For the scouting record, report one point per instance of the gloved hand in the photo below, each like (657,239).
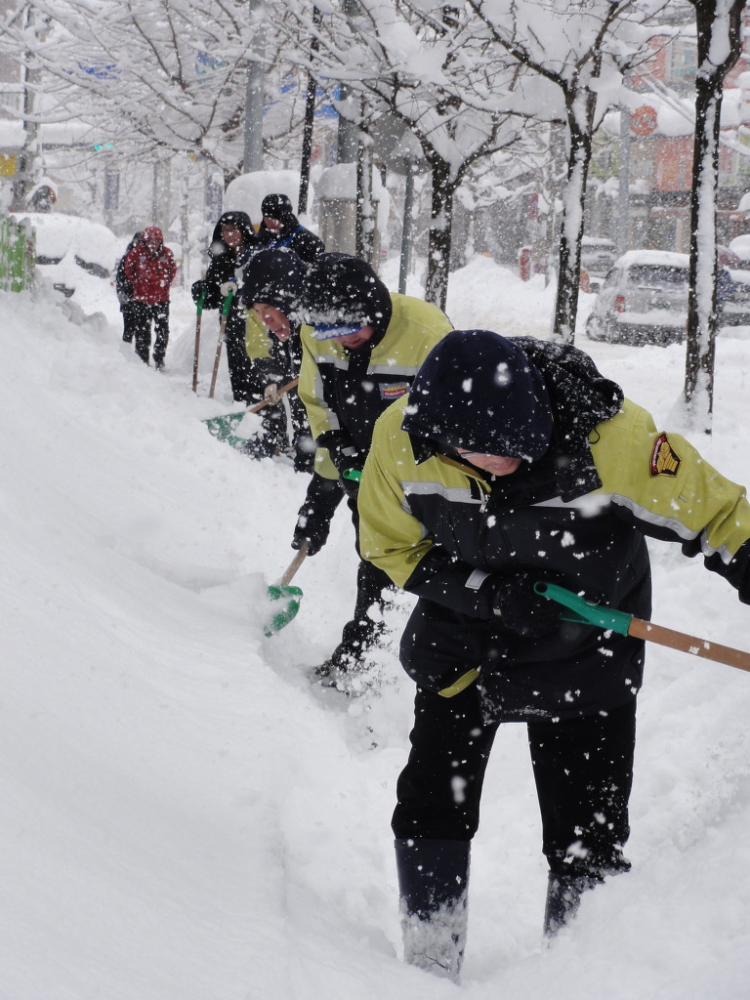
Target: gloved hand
(197,289)
(519,609)
(271,394)
(350,486)
(228,286)
(314,516)
(344,456)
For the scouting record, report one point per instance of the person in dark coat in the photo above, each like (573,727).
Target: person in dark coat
(124,291)
(362,348)
(272,282)
(281,228)
(233,243)
(514,462)
(150,268)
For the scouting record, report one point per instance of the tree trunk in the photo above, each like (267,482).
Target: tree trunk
(579,158)
(718,29)
(701,326)
(439,245)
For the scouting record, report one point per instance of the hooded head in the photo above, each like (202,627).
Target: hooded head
(341,294)
(275,278)
(277,206)
(479,391)
(152,238)
(241,221)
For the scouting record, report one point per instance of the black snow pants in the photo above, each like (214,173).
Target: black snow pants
(247,384)
(129,318)
(143,315)
(583,770)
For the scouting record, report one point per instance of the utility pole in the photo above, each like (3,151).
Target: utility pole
(254,92)
(347,150)
(28,158)
(623,212)
(403,270)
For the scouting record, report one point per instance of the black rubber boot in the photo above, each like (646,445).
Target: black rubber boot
(433,878)
(563,899)
(347,669)
(357,637)
(564,892)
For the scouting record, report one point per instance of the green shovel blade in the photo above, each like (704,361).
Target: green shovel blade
(284,615)
(223,427)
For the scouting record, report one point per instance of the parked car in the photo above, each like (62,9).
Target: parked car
(728,258)
(75,255)
(597,259)
(740,247)
(644,300)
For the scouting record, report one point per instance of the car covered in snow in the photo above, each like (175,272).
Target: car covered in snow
(644,300)
(75,255)
(740,247)
(597,259)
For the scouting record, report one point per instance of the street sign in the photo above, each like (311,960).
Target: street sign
(643,120)
(397,146)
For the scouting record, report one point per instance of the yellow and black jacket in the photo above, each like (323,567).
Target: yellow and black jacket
(438,527)
(345,391)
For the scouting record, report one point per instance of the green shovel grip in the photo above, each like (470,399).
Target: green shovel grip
(227,304)
(581,610)
(354,474)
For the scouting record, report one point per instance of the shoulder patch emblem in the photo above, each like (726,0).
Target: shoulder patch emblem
(392,390)
(664,459)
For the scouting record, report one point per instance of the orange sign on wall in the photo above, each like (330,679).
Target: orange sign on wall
(643,120)
(674,164)
(7,165)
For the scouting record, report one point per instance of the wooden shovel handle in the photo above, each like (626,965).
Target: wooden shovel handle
(689,644)
(293,566)
(197,351)
(282,390)
(217,358)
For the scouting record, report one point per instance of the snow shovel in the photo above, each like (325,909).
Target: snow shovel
(227,305)
(581,610)
(282,591)
(223,427)
(198,316)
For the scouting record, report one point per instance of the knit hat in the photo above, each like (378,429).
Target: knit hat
(274,277)
(276,206)
(478,390)
(341,292)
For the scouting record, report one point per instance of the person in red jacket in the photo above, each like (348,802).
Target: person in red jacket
(150,268)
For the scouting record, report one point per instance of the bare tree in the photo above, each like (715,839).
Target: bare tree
(580,49)
(719,24)
(431,72)
(156,76)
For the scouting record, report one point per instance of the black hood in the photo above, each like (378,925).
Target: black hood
(242,221)
(478,390)
(341,289)
(279,207)
(514,397)
(275,278)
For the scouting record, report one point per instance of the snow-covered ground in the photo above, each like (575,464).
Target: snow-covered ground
(185,818)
